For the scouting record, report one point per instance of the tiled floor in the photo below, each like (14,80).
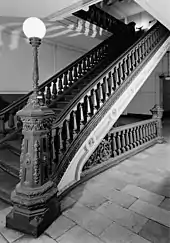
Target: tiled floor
(129,203)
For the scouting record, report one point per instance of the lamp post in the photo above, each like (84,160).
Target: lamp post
(34,198)
(35,30)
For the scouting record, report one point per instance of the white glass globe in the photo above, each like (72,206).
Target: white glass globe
(34,27)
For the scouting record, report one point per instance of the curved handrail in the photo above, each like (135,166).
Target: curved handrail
(130,61)
(55,76)
(86,89)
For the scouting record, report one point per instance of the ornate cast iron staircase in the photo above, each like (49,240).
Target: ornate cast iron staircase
(97,86)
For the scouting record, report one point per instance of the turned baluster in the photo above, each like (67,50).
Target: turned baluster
(60,84)
(70,77)
(2,125)
(68,136)
(75,128)
(65,81)
(48,94)
(144,133)
(120,74)
(114,145)
(80,73)
(95,101)
(88,62)
(149,131)
(129,64)
(60,143)
(119,143)
(88,108)
(84,66)
(140,53)
(137,136)
(75,73)
(124,68)
(107,89)
(11,122)
(110,83)
(143,49)
(95,57)
(140,135)
(131,138)
(101,94)
(115,77)
(127,139)
(132,60)
(136,56)
(123,141)
(54,90)
(81,110)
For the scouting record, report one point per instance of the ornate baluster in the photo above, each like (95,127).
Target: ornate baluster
(123,141)
(54,90)
(70,78)
(88,62)
(119,143)
(75,128)
(75,74)
(60,143)
(80,69)
(95,100)
(81,116)
(88,108)
(60,84)
(48,94)
(124,68)
(101,94)
(114,145)
(106,82)
(68,137)
(127,139)
(65,81)
(110,82)
(137,136)
(131,138)
(115,78)
(84,66)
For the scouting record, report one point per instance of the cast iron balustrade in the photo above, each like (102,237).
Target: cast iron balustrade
(123,142)
(84,107)
(102,19)
(56,85)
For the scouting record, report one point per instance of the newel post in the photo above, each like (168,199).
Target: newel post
(35,204)
(34,198)
(157,113)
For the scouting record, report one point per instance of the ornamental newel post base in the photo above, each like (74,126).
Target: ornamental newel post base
(157,113)
(35,204)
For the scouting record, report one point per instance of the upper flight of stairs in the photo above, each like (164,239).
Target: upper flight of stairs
(60,93)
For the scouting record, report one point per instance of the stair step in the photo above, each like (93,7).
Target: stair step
(7,185)
(14,146)
(9,161)
(4,204)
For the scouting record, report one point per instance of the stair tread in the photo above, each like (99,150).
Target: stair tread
(7,182)
(9,158)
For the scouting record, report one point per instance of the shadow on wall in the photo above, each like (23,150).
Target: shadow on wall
(3,103)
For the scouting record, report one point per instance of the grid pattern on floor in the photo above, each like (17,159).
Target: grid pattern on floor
(127,203)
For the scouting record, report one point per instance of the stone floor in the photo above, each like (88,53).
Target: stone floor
(129,203)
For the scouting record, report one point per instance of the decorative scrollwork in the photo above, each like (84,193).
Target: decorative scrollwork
(21,159)
(101,154)
(36,162)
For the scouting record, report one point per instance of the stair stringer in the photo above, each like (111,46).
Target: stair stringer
(73,172)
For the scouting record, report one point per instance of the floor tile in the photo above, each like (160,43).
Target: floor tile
(42,239)
(78,235)
(59,227)
(90,199)
(90,220)
(10,235)
(123,216)
(152,212)
(66,203)
(165,204)
(118,234)
(155,232)
(143,194)
(120,198)
(2,239)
